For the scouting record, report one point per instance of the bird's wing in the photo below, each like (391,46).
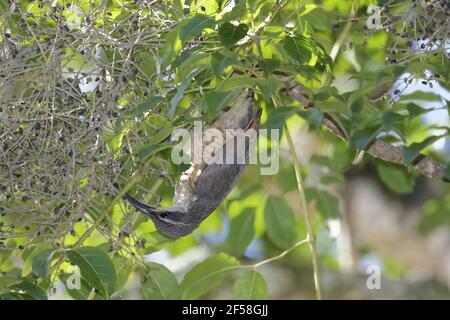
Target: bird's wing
(241,116)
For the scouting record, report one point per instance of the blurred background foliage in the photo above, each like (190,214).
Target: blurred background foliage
(90,92)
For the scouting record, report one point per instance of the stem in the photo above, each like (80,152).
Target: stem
(281,255)
(311,238)
(339,42)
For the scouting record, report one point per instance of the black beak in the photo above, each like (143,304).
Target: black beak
(148,210)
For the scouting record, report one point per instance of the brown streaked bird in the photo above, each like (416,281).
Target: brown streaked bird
(203,187)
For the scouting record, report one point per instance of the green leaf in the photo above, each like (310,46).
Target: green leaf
(139,110)
(421,95)
(192,66)
(29,291)
(280,222)
(195,26)
(241,232)
(361,138)
(267,86)
(237,82)
(81,293)
(186,54)
(159,283)
(327,204)
(447,171)
(147,63)
(161,134)
(178,96)
(269,65)
(11,296)
(219,62)
(216,101)
(395,177)
(298,48)
(229,34)
(250,286)
(237,13)
(6,281)
(96,267)
(390,118)
(207,275)
(5,253)
(414,149)
(436,213)
(41,263)
(276,117)
(313,116)
(414,110)
(172,48)
(123,267)
(28,263)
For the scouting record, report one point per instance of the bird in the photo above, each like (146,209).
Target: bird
(204,185)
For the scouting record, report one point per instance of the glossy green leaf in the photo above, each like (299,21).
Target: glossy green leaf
(412,151)
(298,48)
(219,62)
(395,177)
(421,95)
(237,13)
(195,26)
(160,135)
(193,66)
(280,222)
(276,117)
(124,268)
(270,65)
(96,267)
(207,275)
(237,82)
(266,86)
(29,291)
(159,283)
(229,34)
(139,110)
(250,286)
(173,46)
(414,110)
(241,232)
(6,281)
(178,96)
(80,293)
(327,205)
(28,263)
(41,263)
(147,63)
(436,213)
(361,138)
(313,116)
(216,101)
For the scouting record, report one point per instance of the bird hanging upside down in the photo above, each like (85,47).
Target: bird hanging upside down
(203,187)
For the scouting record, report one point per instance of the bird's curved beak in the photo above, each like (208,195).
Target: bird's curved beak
(149,210)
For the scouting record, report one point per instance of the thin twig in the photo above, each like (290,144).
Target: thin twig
(311,236)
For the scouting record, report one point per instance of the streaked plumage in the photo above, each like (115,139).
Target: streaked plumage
(203,187)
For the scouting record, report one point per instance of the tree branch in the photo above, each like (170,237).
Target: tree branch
(377,148)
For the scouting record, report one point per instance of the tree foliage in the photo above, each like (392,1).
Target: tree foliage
(91,90)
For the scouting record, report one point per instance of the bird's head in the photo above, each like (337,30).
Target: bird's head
(169,221)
